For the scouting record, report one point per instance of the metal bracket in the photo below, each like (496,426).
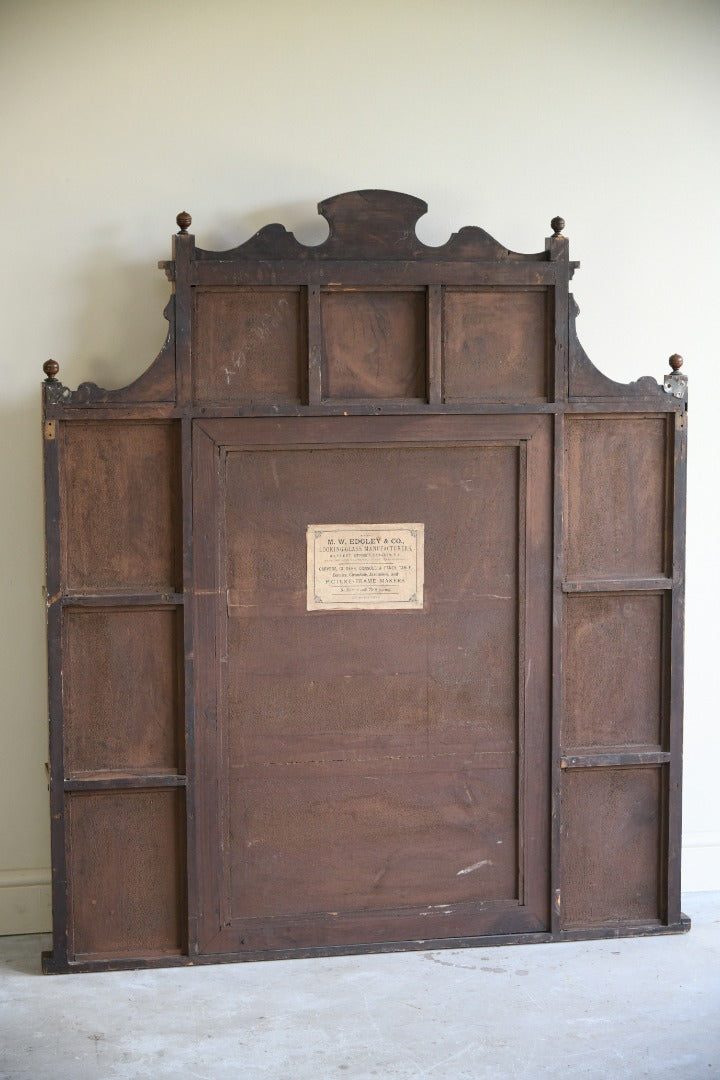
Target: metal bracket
(676,385)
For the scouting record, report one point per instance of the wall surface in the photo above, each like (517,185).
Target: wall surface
(116,115)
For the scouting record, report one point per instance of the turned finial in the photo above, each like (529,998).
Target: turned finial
(51,369)
(557,225)
(675,383)
(184,222)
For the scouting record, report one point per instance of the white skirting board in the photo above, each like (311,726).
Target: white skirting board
(701,861)
(25,906)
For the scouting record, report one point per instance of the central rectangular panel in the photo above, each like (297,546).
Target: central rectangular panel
(370,763)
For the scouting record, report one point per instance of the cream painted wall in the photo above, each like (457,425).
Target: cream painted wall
(115,115)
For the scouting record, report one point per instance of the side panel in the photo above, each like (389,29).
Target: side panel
(119,761)
(617,719)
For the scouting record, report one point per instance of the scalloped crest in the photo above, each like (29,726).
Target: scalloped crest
(586,381)
(156,385)
(371,224)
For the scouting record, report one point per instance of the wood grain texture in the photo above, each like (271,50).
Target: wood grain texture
(388,707)
(127,866)
(495,345)
(374,344)
(613,853)
(616,504)
(615,665)
(123,693)
(247,346)
(120,506)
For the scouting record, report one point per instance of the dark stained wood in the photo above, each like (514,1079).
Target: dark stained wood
(353,273)
(371,703)
(234,776)
(120,506)
(558,667)
(496,345)
(616,480)
(51,477)
(611,839)
(247,346)
(624,757)
(126,863)
(116,722)
(620,701)
(369,225)
(117,780)
(587,382)
(157,384)
(675,664)
(374,344)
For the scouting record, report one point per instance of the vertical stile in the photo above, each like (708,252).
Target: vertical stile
(558,635)
(52,452)
(679,491)
(314,351)
(434,345)
(183,251)
(188,680)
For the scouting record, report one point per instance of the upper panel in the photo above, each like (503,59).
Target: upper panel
(370,315)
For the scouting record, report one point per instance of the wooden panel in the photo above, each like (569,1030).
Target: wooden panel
(120,506)
(467,556)
(247,345)
(418,717)
(431,676)
(374,344)
(611,848)
(126,871)
(467,499)
(495,345)
(392,832)
(121,687)
(616,496)
(614,670)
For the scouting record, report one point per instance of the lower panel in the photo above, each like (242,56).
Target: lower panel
(612,850)
(126,865)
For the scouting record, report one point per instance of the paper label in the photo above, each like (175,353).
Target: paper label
(365,567)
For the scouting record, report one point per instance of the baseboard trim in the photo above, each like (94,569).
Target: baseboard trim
(25,901)
(701,862)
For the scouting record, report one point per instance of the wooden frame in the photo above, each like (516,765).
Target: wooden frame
(238,775)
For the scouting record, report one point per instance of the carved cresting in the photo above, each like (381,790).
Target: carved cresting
(367,224)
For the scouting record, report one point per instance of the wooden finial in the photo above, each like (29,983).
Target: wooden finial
(557,225)
(51,369)
(674,383)
(184,222)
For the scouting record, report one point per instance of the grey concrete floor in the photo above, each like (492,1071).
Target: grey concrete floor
(610,1009)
